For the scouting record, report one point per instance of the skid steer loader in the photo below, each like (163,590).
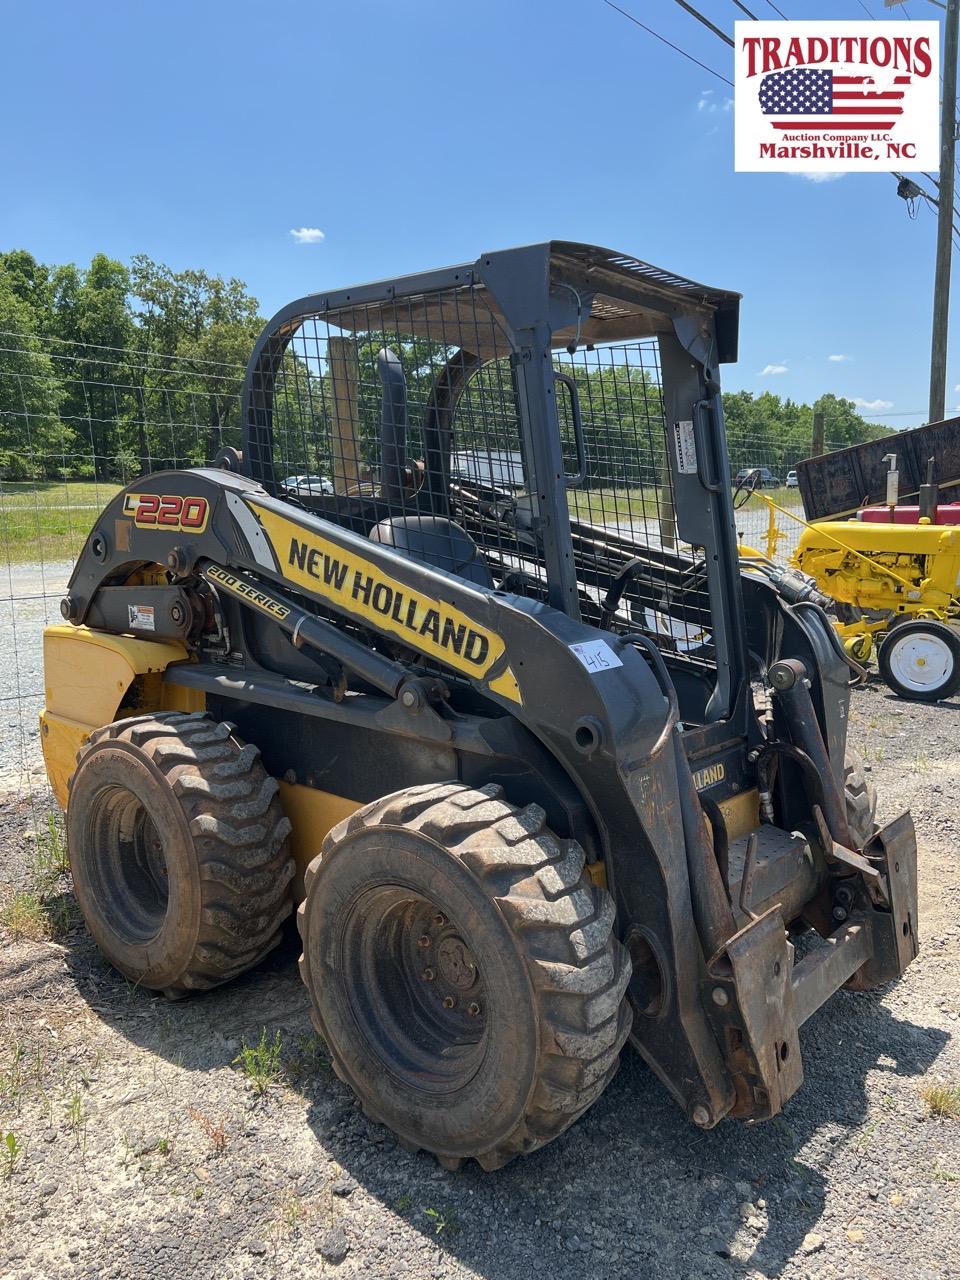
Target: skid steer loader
(456,657)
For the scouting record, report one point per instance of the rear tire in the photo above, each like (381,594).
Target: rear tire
(860,797)
(179,851)
(463,971)
(920,660)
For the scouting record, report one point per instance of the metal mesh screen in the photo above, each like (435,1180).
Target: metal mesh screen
(464,457)
(623,511)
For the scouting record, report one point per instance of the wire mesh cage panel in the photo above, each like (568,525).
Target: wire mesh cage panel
(407,414)
(622,509)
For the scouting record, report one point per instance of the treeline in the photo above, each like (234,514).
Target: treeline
(777,433)
(116,369)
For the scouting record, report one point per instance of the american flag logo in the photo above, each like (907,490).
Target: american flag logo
(847,102)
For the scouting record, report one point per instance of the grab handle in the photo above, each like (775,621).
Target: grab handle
(572,482)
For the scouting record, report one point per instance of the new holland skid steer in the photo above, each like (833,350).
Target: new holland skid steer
(455,656)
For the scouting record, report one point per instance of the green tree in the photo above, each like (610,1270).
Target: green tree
(92,318)
(29,281)
(195,333)
(33,442)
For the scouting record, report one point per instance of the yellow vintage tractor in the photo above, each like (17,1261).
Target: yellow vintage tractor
(893,574)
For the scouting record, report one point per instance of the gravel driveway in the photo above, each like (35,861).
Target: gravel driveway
(29,599)
(148,1152)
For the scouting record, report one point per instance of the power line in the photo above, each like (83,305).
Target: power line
(778,12)
(743,9)
(663,40)
(695,13)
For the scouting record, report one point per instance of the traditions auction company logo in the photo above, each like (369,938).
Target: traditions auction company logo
(835,96)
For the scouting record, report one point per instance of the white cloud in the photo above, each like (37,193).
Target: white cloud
(872,405)
(307,235)
(841,359)
(821,176)
(709,102)
(771,368)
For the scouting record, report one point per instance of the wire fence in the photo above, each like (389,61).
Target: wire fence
(79,422)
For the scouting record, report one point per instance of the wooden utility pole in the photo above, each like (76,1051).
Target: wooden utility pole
(345,414)
(941,283)
(817,443)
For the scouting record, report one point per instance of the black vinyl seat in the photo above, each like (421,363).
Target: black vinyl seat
(436,541)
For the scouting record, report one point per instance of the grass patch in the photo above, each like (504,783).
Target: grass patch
(25,915)
(43,909)
(943,1100)
(50,861)
(49,519)
(445,1221)
(309,1059)
(11,1149)
(615,506)
(260,1062)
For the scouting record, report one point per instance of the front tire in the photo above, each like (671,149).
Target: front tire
(179,851)
(463,971)
(920,660)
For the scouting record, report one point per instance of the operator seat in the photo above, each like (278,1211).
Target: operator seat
(437,541)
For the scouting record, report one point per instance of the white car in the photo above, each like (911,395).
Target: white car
(308,484)
(791,481)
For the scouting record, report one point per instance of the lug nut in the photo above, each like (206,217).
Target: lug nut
(424,940)
(473,1009)
(427,975)
(448,1002)
(439,919)
(700,1116)
(720,997)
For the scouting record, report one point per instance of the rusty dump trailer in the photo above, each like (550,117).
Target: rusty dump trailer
(835,485)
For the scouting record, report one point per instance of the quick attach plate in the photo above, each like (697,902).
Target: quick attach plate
(893,923)
(750,999)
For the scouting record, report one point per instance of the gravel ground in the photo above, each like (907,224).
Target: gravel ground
(29,599)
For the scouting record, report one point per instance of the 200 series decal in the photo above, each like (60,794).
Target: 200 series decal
(169,512)
(253,595)
(360,587)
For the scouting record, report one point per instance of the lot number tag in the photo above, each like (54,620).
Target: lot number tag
(595,655)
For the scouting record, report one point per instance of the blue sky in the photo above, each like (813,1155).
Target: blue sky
(422,133)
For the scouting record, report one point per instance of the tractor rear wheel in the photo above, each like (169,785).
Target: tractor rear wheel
(463,971)
(179,851)
(920,660)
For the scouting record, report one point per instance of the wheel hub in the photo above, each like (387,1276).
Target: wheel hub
(920,661)
(456,964)
(416,989)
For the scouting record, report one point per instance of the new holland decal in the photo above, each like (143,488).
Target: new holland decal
(362,589)
(710,776)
